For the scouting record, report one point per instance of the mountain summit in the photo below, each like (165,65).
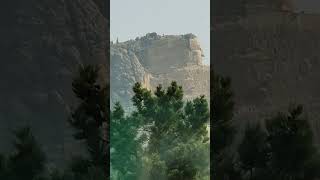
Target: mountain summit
(157,59)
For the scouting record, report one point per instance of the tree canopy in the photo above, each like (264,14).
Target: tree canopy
(169,133)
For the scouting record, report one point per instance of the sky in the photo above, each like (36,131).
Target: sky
(136,18)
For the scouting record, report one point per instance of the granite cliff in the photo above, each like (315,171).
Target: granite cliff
(273,59)
(42,44)
(154,60)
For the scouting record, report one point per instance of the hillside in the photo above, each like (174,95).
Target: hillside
(273,59)
(42,44)
(154,60)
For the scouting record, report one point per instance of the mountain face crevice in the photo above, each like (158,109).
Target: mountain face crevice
(153,60)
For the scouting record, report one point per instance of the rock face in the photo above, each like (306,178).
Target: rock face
(154,60)
(42,43)
(273,59)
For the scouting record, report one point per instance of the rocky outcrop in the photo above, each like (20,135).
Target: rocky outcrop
(273,60)
(42,43)
(154,60)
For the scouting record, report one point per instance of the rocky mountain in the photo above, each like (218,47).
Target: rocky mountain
(273,59)
(42,44)
(157,59)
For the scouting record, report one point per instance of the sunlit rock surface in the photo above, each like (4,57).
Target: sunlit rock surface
(158,59)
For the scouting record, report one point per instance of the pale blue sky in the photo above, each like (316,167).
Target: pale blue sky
(133,18)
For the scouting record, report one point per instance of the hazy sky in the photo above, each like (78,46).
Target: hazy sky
(133,18)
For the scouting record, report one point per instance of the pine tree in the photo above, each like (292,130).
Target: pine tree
(253,152)
(92,114)
(172,127)
(166,118)
(28,160)
(291,145)
(3,168)
(222,113)
(125,144)
(181,168)
(222,130)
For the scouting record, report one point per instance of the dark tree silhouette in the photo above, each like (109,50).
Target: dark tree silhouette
(90,118)
(291,145)
(253,152)
(28,160)
(222,130)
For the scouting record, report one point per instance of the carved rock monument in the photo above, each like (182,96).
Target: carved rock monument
(154,60)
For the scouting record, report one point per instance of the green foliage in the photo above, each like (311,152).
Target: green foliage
(172,125)
(222,106)
(28,159)
(89,120)
(155,168)
(56,175)
(91,114)
(92,173)
(169,134)
(181,169)
(2,166)
(283,151)
(253,151)
(166,118)
(291,144)
(125,145)
(187,160)
(226,169)
(222,113)
(79,166)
